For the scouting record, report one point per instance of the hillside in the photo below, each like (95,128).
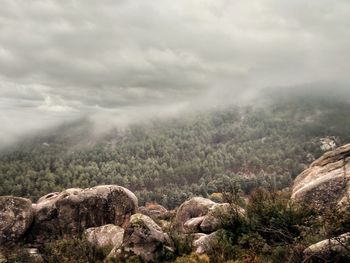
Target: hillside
(169,161)
(308,223)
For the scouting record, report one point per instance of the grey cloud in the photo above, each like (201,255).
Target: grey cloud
(76,57)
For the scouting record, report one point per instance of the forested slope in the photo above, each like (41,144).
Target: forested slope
(170,160)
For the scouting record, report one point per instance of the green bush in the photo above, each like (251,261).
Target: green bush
(224,247)
(193,258)
(275,219)
(182,243)
(17,254)
(72,250)
(271,230)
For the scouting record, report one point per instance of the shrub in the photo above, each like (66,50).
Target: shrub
(224,247)
(193,258)
(72,250)
(17,254)
(274,218)
(182,243)
(271,230)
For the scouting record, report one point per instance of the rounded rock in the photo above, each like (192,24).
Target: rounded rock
(16,216)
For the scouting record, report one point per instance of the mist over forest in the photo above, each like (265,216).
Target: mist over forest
(202,131)
(123,61)
(270,139)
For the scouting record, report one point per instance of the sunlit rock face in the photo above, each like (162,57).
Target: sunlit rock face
(72,211)
(326,183)
(16,216)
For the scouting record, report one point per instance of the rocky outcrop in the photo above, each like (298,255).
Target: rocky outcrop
(199,219)
(195,207)
(72,211)
(201,215)
(16,216)
(144,238)
(104,236)
(326,183)
(340,244)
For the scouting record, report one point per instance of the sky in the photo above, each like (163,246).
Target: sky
(117,61)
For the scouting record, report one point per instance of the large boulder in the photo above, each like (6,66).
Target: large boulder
(326,183)
(72,211)
(16,216)
(104,236)
(193,208)
(338,245)
(144,238)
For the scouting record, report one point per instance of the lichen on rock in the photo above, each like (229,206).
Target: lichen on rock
(326,183)
(16,216)
(74,210)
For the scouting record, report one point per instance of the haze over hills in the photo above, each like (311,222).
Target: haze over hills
(211,185)
(126,60)
(169,160)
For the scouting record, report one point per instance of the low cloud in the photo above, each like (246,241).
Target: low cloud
(63,59)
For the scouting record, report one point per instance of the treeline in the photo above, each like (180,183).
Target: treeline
(169,161)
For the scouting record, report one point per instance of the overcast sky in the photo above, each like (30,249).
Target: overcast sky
(125,58)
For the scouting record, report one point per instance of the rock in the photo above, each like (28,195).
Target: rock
(155,211)
(201,215)
(202,243)
(104,236)
(326,183)
(338,244)
(195,207)
(144,238)
(72,211)
(328,143)
(16,216)
(193,225)
(214,219)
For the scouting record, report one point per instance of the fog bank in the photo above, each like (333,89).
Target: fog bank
(119,62)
